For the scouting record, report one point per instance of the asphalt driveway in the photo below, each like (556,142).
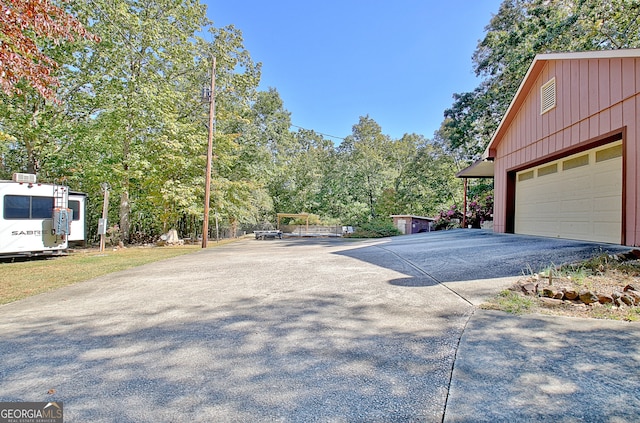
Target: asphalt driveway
(292,330)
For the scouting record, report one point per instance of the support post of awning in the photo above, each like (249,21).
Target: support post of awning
(464,202)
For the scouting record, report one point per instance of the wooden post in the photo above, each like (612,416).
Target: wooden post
(217,228)
(464,212)
(207,187)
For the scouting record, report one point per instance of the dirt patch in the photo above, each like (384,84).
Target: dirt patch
(606,287)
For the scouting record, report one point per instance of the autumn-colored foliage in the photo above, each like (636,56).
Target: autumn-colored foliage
(23,23)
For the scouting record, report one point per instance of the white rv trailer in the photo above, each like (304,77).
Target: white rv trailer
(34,218)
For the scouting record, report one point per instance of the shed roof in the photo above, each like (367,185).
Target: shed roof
(413,217)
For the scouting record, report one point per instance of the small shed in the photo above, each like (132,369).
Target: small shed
(409,224)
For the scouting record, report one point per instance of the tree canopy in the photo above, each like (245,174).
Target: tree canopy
(25,27)
(520,30)
(129,113)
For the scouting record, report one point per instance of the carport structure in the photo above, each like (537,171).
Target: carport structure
(566,155)
(293,215)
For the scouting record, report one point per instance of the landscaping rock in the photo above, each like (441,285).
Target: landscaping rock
(635,295)
(631,255)
(553,293)
(605,299)
(588,297)
(530,289)
(635,254)
(631,287)
(551,302)
(170,238)
(599,295)
(627,300)
(570,294)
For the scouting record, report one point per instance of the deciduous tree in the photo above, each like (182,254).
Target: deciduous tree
(26,26)
(367,151)
(520,30)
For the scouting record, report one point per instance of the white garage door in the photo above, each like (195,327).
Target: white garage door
(576,197)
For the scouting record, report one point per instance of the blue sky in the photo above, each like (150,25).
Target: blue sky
(333,61)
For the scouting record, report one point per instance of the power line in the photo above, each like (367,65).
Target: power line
(319,133)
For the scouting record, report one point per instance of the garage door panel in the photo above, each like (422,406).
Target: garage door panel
(546,195)
(602,231)
(607,204)
(575,206)
(546,206)
(583,191)
(606,217)
(575,185)
(539,227)
(575,229)
(582,200)
(606,181)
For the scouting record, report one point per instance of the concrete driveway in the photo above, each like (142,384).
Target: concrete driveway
(315,330)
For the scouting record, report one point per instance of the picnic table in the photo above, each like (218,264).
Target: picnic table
(268,234)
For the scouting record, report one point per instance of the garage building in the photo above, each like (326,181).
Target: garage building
(566,156)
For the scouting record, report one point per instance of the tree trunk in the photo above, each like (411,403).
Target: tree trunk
(125,206)
(234,228)
(125,212)
(372,206)
(32,161)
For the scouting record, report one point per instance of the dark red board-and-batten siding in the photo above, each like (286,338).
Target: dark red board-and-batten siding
(596,99)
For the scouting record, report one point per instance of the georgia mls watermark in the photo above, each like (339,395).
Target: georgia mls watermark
(31,412)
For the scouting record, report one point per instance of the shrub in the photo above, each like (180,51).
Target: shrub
(376,229)
(478,211)
(449,219)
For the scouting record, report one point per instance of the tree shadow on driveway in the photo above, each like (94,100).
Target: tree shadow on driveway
(545,368)
(520,368)
(316,358)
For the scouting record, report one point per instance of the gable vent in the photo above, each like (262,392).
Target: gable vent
(548,96)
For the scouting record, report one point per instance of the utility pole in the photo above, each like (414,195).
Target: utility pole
(207,187)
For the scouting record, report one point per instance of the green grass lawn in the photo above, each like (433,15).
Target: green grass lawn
(22,279)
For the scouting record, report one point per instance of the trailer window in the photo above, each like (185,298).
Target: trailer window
(41,207)
(74,205)
(27,207)
(16,207)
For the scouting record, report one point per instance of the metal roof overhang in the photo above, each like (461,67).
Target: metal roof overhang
(413,216)
(482,168)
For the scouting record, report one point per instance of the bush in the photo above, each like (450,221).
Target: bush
(478,210)
(449,219)
(375,229)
